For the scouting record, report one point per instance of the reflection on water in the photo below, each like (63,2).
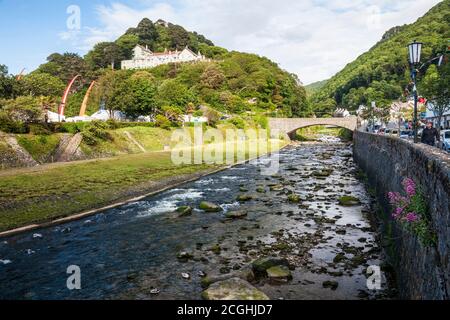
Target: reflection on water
(131,251)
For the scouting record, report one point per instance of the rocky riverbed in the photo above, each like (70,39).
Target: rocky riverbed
(302,233)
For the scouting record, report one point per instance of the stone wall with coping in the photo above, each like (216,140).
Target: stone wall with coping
(422,272)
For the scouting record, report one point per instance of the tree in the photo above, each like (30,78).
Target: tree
(6,84)
(147,33)
(173,93)
(179,37)
(109,88)
(136,97)
(212,115)
(174,114)
(24,109)
(212,77)
(105,55)
(435,86)
(65,66)
(127,43)
(43,84)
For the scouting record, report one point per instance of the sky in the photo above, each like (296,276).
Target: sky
(312,38)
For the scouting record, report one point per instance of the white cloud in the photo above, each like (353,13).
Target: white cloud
(313,38)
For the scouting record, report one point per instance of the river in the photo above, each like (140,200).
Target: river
(131,252)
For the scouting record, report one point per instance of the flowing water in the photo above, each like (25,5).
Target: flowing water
(131,252)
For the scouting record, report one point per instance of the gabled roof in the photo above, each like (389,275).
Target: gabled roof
(144,49)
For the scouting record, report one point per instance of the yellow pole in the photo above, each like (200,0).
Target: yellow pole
(85,100)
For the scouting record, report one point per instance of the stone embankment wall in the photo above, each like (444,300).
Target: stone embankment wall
(422,272)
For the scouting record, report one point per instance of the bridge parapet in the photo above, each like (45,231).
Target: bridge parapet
(290,125)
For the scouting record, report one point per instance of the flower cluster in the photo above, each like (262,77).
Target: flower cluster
(402,204)
(411,210)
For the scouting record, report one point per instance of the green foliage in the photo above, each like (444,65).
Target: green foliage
(104,55)
(25,109)
(172,92)
(43,84)
(94,132)
(65,67)
(436,87)
(382,73)
(40,147)
(9,86)
(162,122)
(315,86)
(262,121)
(421,228)
(10,126)
(238,123)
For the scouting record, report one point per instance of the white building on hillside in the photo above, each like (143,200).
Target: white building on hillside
(144,58)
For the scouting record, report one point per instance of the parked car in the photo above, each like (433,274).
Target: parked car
(445,140)
(406,134)
(394,132)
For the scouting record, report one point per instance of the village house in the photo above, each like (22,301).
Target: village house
(144,58)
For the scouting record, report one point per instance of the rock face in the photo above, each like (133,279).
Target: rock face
(209,207)
(422,272)
(233,289)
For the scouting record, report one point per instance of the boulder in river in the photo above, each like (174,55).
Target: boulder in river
(261,265)
(236,214)
(209,207)
(333,285)
(294,198)
(348,201)
(323,173)
(184,256)
(184,211)
(279,274)
(244,198)
(233,289)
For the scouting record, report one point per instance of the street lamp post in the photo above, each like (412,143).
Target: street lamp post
(415,50)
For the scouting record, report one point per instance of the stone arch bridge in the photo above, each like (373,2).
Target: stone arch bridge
(290,125)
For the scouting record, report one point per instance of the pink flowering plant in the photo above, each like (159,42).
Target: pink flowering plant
(410,209)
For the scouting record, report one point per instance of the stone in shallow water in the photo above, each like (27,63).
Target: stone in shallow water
(279,274)
(233,289)
(184,256)
(333,285)
(209,207)
(348,201)
(244,198)
(236,214)
(294,198)
(261,265)
(184,211)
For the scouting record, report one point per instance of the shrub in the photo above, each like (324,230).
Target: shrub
(96,131)
(39,129)
(10,126)
(163,122)
(262,121)
(238,123)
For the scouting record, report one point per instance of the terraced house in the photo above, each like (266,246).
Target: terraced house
(144,58)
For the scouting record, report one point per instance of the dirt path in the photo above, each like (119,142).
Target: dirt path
(134,141)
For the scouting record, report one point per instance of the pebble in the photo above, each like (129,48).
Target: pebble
(186,276)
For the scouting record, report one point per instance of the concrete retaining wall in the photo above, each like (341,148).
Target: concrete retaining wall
(422,272)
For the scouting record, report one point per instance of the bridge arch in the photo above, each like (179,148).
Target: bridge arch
(291,125)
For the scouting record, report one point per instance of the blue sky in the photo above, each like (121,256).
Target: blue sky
(313,38)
